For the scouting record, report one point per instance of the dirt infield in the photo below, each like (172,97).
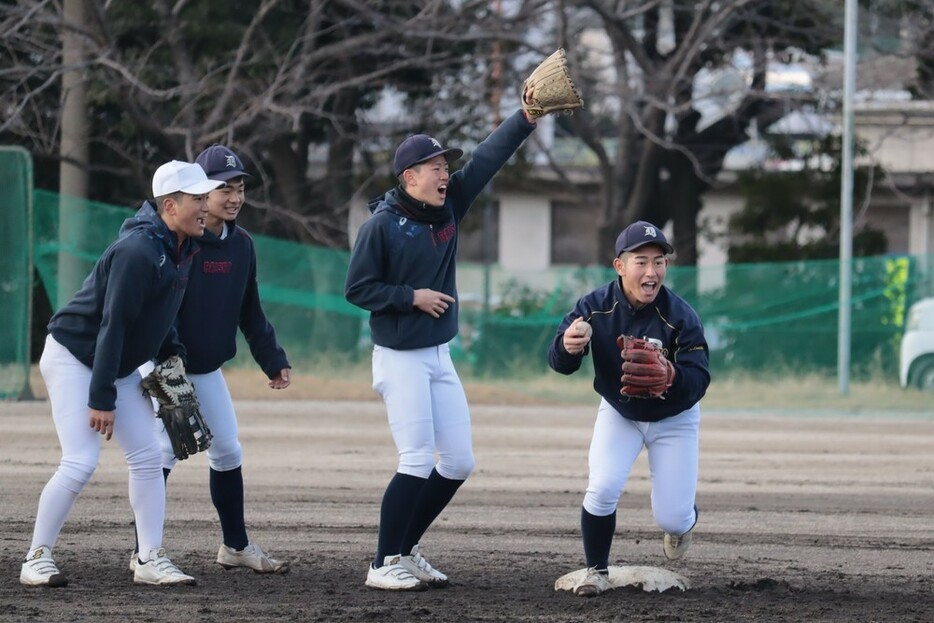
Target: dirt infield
(823,517)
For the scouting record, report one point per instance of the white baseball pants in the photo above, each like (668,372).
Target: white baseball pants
(672,446)
(427,410)
(67,381)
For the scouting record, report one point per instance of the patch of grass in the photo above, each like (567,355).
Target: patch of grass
(781,392)
(784,391)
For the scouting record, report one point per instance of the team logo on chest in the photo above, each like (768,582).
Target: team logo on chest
(208,267)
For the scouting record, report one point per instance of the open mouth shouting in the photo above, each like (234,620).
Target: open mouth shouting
(649,288)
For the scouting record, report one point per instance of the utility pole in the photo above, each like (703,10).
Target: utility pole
(846,198)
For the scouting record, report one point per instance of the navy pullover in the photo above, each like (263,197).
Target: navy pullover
(222,296)
(123,314)
(395,255)
(668,319)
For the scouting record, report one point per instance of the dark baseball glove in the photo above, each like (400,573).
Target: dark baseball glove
(178,407)
(551,87)
(647,373)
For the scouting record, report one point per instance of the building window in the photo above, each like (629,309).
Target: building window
(574,233)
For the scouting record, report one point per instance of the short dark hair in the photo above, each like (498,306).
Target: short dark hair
(176,197)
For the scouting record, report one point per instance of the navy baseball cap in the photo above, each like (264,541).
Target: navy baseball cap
(220,163)
(640,234)
(419,148)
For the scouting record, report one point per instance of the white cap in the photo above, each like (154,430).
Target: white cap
(186,177)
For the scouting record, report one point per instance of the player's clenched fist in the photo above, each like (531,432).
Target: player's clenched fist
(577,336)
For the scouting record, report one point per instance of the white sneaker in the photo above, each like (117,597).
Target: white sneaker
(40,570)
(416,564)
(134,561)
(393,576)
(252,557)
(159,570)
(593,584)
(675,545)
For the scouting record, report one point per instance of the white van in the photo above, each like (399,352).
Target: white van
(916,359)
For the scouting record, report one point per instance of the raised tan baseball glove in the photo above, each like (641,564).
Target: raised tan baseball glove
(647,373)
(549,88)
(179,409)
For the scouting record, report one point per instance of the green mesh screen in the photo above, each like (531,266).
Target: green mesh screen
(15,270)
(758,317)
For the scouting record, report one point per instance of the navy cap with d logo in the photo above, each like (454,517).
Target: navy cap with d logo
(419,148)
(220,163)
(640,234)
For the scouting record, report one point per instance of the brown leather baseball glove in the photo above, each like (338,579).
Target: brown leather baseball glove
(647,373)
(551,88)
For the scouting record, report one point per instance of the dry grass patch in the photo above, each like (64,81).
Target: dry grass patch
(784,392)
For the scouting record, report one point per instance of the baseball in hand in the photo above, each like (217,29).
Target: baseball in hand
(584,329)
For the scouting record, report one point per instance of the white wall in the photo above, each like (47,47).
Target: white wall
(524,232)
(898,135)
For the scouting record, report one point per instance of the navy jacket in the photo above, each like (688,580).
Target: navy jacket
(669,319)
(123,314)
(395,255)
(222,296)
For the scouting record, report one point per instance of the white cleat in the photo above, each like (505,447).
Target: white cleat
(393,576)
(416,564)
(40,570)
(134,561)
(594,583)
(160,571)
(675,545)
(251,557)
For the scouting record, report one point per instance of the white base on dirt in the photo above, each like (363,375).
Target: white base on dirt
(649,579)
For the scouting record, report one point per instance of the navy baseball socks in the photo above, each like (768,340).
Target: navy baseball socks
(227,496)
(597,533)
(237,550)
(434,497)
(386,572)
(395,513)
(410,505)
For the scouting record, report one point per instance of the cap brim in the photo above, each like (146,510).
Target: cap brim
(667,248)
(202,187)
(227,175)
(450,155)
(453,154)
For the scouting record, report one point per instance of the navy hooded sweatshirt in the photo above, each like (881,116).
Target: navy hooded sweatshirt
(123,314)
(668,320)
(395,255)
(223,295)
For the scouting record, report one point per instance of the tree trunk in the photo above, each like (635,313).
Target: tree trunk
(73,167)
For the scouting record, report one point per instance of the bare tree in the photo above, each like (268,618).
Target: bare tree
(667,154)
(286,84)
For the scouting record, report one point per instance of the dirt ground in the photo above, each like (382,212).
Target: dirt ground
(823,516)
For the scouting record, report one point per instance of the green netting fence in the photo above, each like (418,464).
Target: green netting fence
(15,271)
(758,317)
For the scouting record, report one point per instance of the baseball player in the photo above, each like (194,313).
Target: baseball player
(402,269)
(223,296)
(121,317)
(663,419)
